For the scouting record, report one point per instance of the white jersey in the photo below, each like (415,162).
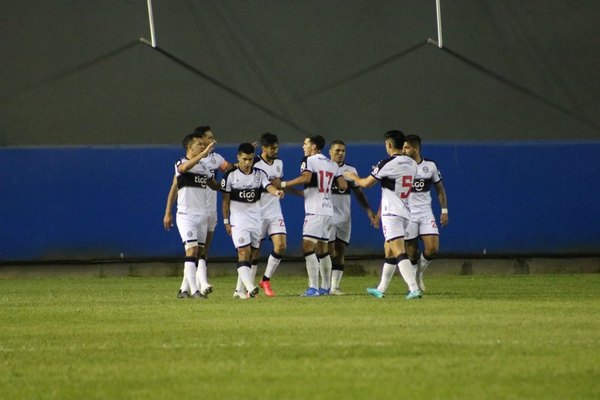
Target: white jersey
(213,161)
(341,198)
(192,192)
(396,175)
(420,197)
(245,191)
(317,193)
(269,205)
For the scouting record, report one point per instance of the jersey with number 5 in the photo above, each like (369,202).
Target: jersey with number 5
(317,193)
(396,175)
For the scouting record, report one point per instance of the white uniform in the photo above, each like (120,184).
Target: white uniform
(341,199)
(213,161)
(192,194)
(272,222)
(318,205)
(396,175)
(245,191)
(422,221)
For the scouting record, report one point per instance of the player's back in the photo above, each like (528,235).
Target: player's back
(396,175)
(317,193)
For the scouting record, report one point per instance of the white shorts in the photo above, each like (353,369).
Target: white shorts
(341,231)
(393,226)
(273,226)
(192,228)
(245,235)
(421,225)
(212,221)
(317,227)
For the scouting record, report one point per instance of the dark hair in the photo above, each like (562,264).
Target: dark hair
(268,139)
(246,148)
(413,140)
(337,142)
(202,129)
(317,140)
(396,137)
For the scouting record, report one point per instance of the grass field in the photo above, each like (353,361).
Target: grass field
(470,337)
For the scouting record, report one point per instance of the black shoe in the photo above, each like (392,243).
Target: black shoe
(183,295)
(198,295)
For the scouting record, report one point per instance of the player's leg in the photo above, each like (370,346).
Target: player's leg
(325,265)
(387,272)
(411,243)
(244,272)
(310,234)
(429,234)
(202,270)
(279,247)
(187,230)
(338,249)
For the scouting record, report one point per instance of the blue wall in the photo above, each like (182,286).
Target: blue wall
(518,198)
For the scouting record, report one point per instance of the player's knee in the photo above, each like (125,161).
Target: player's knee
(431,252)
(279,248)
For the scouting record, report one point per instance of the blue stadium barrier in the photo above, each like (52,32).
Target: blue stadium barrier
(103,203)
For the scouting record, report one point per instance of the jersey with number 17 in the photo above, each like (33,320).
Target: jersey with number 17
(317,193)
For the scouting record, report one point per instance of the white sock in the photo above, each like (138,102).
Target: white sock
(408,274)
(189,273)
(253,270)
(312,268)
(336,278)
(387,273)
(272,264)
(245,275)
(202,274)
(239,287)
(423,263)
(325,269)
(184,284)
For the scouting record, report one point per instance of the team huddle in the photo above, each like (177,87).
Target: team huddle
(251,192)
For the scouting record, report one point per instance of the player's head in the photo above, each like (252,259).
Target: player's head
(394,140)
(245,157)
(269,145)
(206,132)
(194,144)
(337,151)
(412,146)
(313,145)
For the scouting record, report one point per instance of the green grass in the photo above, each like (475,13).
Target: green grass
(470,337)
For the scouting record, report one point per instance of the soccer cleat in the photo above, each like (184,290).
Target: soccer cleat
(311,292)
(207,290)
(198,295)
(324,292)
(376,293)
(337,292)
(253,292)
(415,294)
(183,295)
(266,287)
(240,295)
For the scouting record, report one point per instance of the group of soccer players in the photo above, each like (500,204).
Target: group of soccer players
(251,192)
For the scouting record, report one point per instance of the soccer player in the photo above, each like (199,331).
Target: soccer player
(193,177)
(396,174)
(215,162)
(422,221)
(241,187)
(342,220)
(318,173)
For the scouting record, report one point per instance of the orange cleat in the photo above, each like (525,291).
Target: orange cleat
(266,287)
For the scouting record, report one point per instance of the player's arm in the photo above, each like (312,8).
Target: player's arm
(342,184)
(303,179)
(168,218)
(443,200)
(364,203)
(225,210)
(213,184)
(189,164)
(226,166)
(366,182)
(274,191)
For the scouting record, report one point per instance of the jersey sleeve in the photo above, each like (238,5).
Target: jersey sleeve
(225,182)
(436,175)
(264,179)
(305,165)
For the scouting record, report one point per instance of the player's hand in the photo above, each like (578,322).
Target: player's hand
(167,222)
(375,220)
(350,176)
(276,182)
(210,146)
(280,193)
(228,229)
(444,219)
